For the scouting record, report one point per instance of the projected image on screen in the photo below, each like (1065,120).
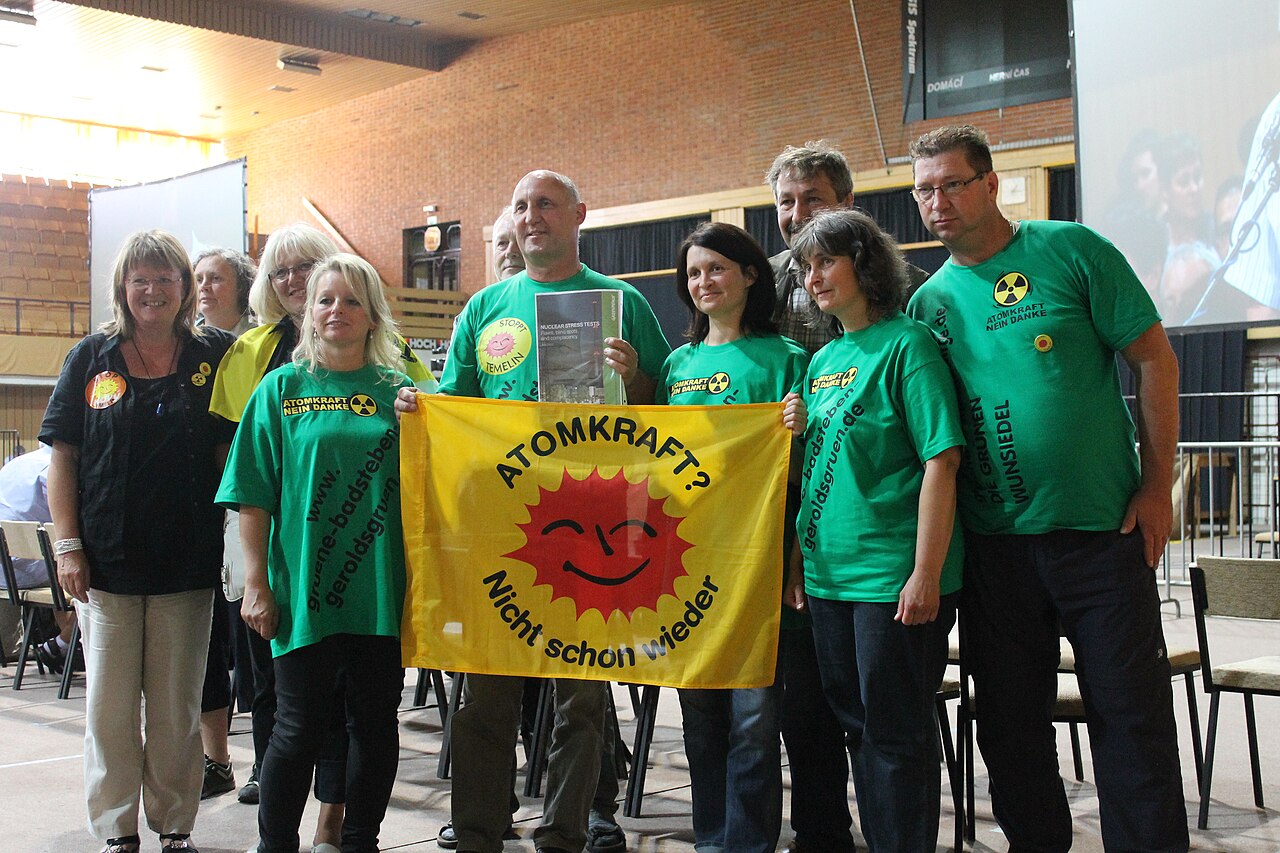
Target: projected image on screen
(1179,136)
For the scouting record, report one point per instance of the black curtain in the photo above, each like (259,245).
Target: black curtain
(645,246)
(1062,194)
(762,223)
(928,258)
(673,316)
(1210,361)
(897,214)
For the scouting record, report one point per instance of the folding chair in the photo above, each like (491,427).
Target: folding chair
(1244,589)
(22,540)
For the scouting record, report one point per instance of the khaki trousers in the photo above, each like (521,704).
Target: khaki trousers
(144,661)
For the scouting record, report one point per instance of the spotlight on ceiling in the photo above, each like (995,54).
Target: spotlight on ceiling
(302,66)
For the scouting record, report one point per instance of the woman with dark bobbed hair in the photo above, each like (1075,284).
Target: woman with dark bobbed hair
(735,356)
(878,555)
(131,484)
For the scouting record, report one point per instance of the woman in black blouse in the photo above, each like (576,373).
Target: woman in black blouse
(135,464)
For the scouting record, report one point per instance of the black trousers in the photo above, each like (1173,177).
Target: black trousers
(366,671)
(1018,589)
(331,765)
(818,759)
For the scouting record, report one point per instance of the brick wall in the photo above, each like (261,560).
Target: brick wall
(669,102)
(44,254)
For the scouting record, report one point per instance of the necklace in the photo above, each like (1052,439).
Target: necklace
(173,360)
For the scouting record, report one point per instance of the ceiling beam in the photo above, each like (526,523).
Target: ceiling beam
(291,26)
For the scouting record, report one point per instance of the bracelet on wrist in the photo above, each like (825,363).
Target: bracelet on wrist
(66,546)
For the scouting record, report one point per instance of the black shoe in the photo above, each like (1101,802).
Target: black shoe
(125,844)
(177,842)
(218,779)
(604,835)
(249,793)
(51,655)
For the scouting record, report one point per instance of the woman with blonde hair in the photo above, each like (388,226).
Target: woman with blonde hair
(131,486)
(278,298)
(314,473)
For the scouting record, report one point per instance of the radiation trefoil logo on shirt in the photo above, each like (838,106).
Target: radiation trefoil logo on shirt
(1010,288)
(1008,294)
(503,345)
(363,405)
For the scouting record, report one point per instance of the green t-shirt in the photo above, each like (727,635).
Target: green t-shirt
(321,453)
(1031,336)
(881,403)
(494,353)
(748,370)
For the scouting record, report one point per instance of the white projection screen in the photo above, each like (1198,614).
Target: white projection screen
(1178,134)
(202,209)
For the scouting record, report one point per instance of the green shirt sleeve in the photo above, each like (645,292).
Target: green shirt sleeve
(797,366)
(927,398)
(460,377)
(252,475)
(1120,306)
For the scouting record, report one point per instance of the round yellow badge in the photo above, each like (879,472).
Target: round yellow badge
(197,379)
(104,390)
(503,345)
(1044,343)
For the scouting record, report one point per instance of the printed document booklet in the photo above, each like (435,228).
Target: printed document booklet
(571,330)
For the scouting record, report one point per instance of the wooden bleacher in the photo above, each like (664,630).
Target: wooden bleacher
(425,313)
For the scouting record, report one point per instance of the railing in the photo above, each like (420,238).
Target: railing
(23,315)
(425,313)
(1210,512)
(8,443)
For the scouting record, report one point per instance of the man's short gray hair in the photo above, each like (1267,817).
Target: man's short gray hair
(815,157)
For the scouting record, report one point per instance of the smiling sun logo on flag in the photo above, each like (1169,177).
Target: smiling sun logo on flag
(603,543)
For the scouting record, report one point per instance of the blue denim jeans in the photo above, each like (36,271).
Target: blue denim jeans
(880,677)
(735,765)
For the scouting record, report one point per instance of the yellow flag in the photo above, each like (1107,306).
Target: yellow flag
(622,543)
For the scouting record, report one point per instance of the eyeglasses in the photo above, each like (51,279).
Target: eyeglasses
(950,189)
(141,282)
(281,275)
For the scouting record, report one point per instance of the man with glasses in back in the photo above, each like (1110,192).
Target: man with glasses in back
(1063,526)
